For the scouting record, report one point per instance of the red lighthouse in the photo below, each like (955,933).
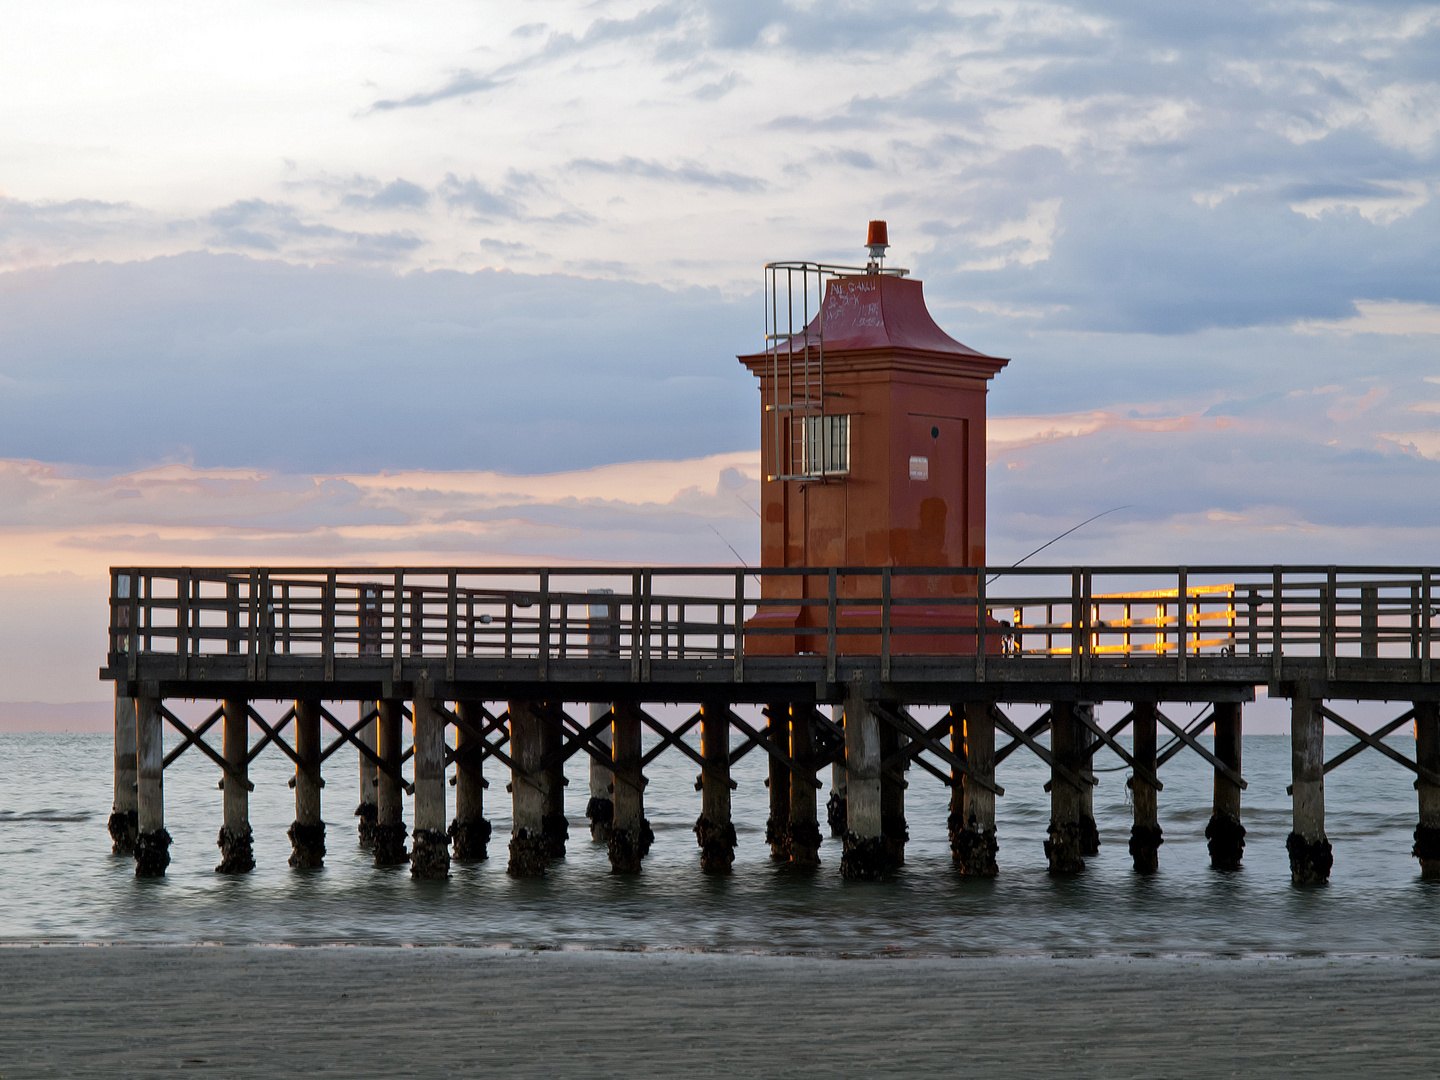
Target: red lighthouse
(873,447)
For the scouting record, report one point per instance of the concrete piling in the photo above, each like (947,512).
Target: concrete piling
(777,826)
(1145,834)
(893,826)
(368,810)
(714,831)
(469,833)
(630,834)
(237,852)
(600,809)
(1089,833)
(307,833)
(430,849)
(124,817)
(835,805)
(1310,854)
(1062,849)
(555,827)
(865,857)
(1427,756)
(152,842)
(1224,832)
(804,846)
(528,850)
(972,807)
(389,836)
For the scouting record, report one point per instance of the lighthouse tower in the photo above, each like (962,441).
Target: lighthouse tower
(873,448)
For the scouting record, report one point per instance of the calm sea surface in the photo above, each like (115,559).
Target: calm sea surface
(59,882)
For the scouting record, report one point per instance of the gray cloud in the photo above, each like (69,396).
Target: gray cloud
(396,195)
(275,228)
(688,172)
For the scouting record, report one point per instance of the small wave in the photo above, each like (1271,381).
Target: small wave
(8,817)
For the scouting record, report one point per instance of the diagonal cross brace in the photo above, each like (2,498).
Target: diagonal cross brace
(348,735)
(673,738)
(1039,727)
(1380,733)
(204,747)
(913,751)
(268,738)
(365,719)
(190,740)
(490,749)
(1108,739)
(1428,775)
(759,739)
(477,735)
(1064,772)
(903,722)
(1189,740)
(272,734)
(1206,718)
(587,739)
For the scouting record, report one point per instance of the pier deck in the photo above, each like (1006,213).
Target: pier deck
(871,642)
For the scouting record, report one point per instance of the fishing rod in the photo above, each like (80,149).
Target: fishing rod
(1062,536)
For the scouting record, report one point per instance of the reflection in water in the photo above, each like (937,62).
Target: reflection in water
(60,882)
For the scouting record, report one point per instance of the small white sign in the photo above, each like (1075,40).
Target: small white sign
(919,468)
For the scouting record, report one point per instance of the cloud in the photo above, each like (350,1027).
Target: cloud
(396,195)
(684,173)
(276,228)
(1379,317)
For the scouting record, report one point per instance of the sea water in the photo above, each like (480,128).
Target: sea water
(60,883)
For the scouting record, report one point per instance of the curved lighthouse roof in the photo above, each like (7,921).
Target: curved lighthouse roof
(881,311)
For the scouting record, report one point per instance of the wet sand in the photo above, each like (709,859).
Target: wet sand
(441,1012)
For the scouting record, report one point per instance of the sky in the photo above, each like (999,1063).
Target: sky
(355,282)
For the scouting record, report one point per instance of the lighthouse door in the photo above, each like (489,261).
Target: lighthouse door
(935,501)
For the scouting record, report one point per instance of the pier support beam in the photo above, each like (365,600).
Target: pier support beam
(1224,831)
(1089,833)
(237,851)
(555,827)
(1310,854)
(307,834)
(389,838)
(804,848)
(1427,756)
(972,808)
(1062,849)
(630,834)
(714,831)
(368,810)
(835,805)
(430,850)
(527,791)
(600,809)
(893,826)
(469,833)
(777,826)
(1145,834)
(865,857)
(124,816)
(152,842)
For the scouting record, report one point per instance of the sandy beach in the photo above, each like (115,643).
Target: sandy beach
(440,1012)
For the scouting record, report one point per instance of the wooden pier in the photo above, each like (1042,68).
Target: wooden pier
(487,663)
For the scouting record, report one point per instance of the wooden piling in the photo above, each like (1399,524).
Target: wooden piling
(237,851)
(630,834)
(972,807)
(864,857)
(777,826)
(469,833)
(307,833)
(1224,832)
(556,827)
(430,848)
(1310,854)
(528,856)
(1062,849)
(1427,756)
(152,842)
(893,826)
(1089,833)
(600,809)
(714,831)
(389,840)
(124,819)
(1145,834)
(368,810)
(804,847)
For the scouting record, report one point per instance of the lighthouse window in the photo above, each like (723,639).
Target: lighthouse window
(827,445)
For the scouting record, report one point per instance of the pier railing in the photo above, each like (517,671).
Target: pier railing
(1087,616)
